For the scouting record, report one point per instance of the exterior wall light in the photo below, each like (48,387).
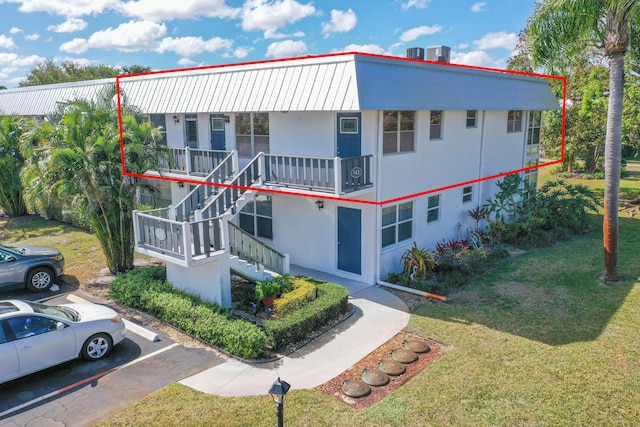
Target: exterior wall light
(176,120)
(320,204)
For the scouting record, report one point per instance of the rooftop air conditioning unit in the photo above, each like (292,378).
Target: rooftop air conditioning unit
(439,53)
(415,53)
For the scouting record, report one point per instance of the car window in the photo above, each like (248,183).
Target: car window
(7,307)
(28,326)
(3,336)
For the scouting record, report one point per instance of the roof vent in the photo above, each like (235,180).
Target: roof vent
(439,53)
(415,53)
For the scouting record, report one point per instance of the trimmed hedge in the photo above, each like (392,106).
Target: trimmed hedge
(148,290)
(332,301)
(303,293)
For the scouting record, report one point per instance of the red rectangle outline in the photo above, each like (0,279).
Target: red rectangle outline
(325,197)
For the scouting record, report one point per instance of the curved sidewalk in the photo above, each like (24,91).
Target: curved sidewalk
(379,315)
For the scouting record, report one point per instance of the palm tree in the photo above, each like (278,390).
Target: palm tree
(11,161)
(78,158)
(558,29)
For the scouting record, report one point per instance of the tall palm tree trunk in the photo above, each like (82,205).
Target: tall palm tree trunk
(613,156)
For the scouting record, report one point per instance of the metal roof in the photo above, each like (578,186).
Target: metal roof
(343,82)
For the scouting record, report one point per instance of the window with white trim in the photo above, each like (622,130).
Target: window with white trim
(191,130)
(252,134)
(433,208)
(533,133)
(256,218)
(514,121)
(397,223)
(530,178)
(435,128)
(467,194)
(160,122)
(398,131)
(472,118)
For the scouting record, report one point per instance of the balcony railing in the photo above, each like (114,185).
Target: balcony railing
(190,161)
(251,249)
(318,174)
(178,240)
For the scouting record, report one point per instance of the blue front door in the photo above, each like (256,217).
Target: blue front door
(217,132)
(349,240)
(349,135)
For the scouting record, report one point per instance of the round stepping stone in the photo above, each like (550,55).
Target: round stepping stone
(374,377)
(416,346)
(403,356)
(355,388)
(391,368)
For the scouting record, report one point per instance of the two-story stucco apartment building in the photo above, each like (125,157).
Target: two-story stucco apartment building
(326,162)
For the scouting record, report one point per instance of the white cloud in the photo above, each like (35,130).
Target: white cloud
(463,46)
(79,61)
(15,60)
(15,30)
(414,33)
(286,49)
(191,46)
(273,34)
(77,45)
(32,37)
(365,48)
(185,61)
(269,15)
(155,10)
(131,36)
(479,6)
(341,22)
(16,80)
(418,4)
(68,8)
(6,42)
(478,58)
(71,25)
(9,70)
(242,52)
(497,40)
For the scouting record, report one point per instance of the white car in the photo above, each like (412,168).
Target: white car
(35,336)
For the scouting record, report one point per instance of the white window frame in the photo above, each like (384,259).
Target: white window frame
(435,208)
(252,135)
(473,117)
(514,121)
(188,120)
(399,132)
(251,211)
(467,193)
(439,125)
(349,130)
(533,137)
(398,223)
(161,123)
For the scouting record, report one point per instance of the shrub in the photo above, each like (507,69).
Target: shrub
(148,290)
(303,292)
(266,289)
(332,301)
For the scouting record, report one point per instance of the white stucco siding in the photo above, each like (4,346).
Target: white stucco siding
(309,235)
(175,131)
(302,133)
(503,151)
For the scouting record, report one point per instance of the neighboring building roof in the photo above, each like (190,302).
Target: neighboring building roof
(341,82)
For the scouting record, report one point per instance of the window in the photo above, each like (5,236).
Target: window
(397,223)
(514,121)
(191,130)
(433,208)
(472,118)
(217,123)
(398,131)
(160,121)
(28,326)
(252,134)
(256,218)
(530,179)
(435,130)
(349,125)
(533,133)
(467,194)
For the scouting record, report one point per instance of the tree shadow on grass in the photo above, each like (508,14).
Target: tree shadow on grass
(551,295)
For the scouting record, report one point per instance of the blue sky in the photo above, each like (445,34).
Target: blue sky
(171,34)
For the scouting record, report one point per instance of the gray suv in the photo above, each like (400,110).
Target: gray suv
(34,267)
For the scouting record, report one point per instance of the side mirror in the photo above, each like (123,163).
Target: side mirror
(60,326)
(11,258)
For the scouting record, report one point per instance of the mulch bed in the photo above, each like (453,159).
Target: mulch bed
(334,386)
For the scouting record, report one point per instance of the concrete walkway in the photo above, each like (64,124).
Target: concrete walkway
(379,316)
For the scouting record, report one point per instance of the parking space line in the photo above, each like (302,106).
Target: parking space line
(83,382)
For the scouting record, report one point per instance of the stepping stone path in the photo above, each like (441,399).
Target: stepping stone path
(379,376)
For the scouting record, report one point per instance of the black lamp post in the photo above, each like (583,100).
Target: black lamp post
(278,391)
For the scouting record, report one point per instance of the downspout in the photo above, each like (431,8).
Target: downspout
(480,166)
(378,208)
(412,291)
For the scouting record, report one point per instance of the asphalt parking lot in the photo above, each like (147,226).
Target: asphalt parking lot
(79,393)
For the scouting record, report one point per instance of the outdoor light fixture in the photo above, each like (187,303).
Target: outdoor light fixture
(181,184)
(278,391)
(320,204)
(176,120)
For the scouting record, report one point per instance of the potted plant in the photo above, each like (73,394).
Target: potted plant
(267,291)
(417,262)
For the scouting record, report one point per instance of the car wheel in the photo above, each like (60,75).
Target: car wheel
(40,279)
(96,347)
